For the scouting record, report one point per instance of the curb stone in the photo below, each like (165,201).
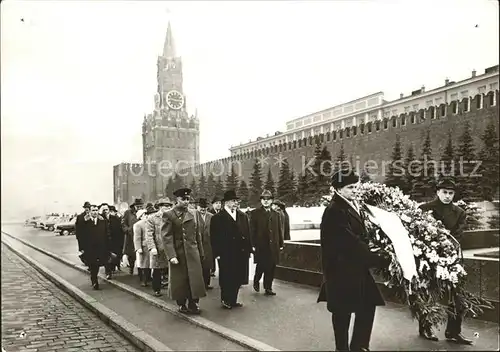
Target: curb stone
(135,335)
(220,330)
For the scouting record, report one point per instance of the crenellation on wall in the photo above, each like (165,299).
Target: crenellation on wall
(376,145)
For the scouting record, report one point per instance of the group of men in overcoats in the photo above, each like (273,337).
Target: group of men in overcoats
(347,259)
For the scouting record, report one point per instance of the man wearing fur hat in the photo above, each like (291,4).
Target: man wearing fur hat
(454,219)
(183,246)
(128,221)
(230,234)
(95,243)
(204,219)
(266,234)
(348,285)
(155,245)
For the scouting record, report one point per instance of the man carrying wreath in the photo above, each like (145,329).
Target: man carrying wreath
(454,220)
(346,259)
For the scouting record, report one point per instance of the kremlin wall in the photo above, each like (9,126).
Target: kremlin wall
(366,128)
(371,141)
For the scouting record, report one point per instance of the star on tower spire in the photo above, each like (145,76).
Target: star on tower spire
(169,47)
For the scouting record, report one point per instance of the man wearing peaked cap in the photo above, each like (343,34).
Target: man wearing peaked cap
(348,286)
(230,233)
(454,219)
(266,233)
(183,246)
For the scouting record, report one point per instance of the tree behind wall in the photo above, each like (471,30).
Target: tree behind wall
(469,188)
(411,170)
(395,173)
(211,186)
(489,158)
(219,186)
(194,189)
(232,180)
(169,188)
(270,185)
(285,184)
(243,194)
(447,164)
(202,186)
(255,184)
(425,181)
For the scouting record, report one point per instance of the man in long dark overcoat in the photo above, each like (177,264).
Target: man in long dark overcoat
(266,233)
(80,219)
(184,249)
(117,236)
(204,219)
(230,233)
(454,219)
(346,259)
(281,209)
(128,221)
(95,243)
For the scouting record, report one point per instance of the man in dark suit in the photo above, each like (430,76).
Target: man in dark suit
(453,219)
(95,243)
(230,234)
(266,234)
(127,222)
(346,259)
(216,207)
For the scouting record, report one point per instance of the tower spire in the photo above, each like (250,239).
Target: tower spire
(169,47)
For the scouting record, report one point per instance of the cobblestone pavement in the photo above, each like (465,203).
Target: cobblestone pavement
(38,316)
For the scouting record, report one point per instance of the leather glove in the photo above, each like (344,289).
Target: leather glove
(174,261)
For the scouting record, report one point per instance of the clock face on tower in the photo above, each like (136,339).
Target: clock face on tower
(175,100)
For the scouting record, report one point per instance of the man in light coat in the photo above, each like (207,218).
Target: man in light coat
(204,219)
(141,249)
(155,245)
(183,245)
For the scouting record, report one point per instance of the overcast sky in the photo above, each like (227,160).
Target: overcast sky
(77,77)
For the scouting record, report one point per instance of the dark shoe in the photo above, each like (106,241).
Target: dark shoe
(95,286)
(270,293)
(131,270)
(237,305)
(256,286)
(108,276)
(143,284)
(459,338)
(359,349)
(209,287)
(194,308)
(157,293)
(428,334)
(226,305)
(183,309)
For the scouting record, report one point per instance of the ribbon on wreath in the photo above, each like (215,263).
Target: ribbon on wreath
(392,226)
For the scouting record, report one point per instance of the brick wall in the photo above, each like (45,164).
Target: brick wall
(377,145)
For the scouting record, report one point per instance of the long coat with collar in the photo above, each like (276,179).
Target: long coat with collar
(231,242)
(154,240)
(266,233)
(116,233)
(346,260)
(182,240)
(95,240)
(452,216)
(140,243)
(79,229)
(128,221)
(204,225)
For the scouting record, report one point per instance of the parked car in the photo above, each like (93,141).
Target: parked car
(52,221)
(66,228)
(47,218)
(32,221)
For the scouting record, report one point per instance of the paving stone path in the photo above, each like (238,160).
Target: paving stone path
(38,316)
